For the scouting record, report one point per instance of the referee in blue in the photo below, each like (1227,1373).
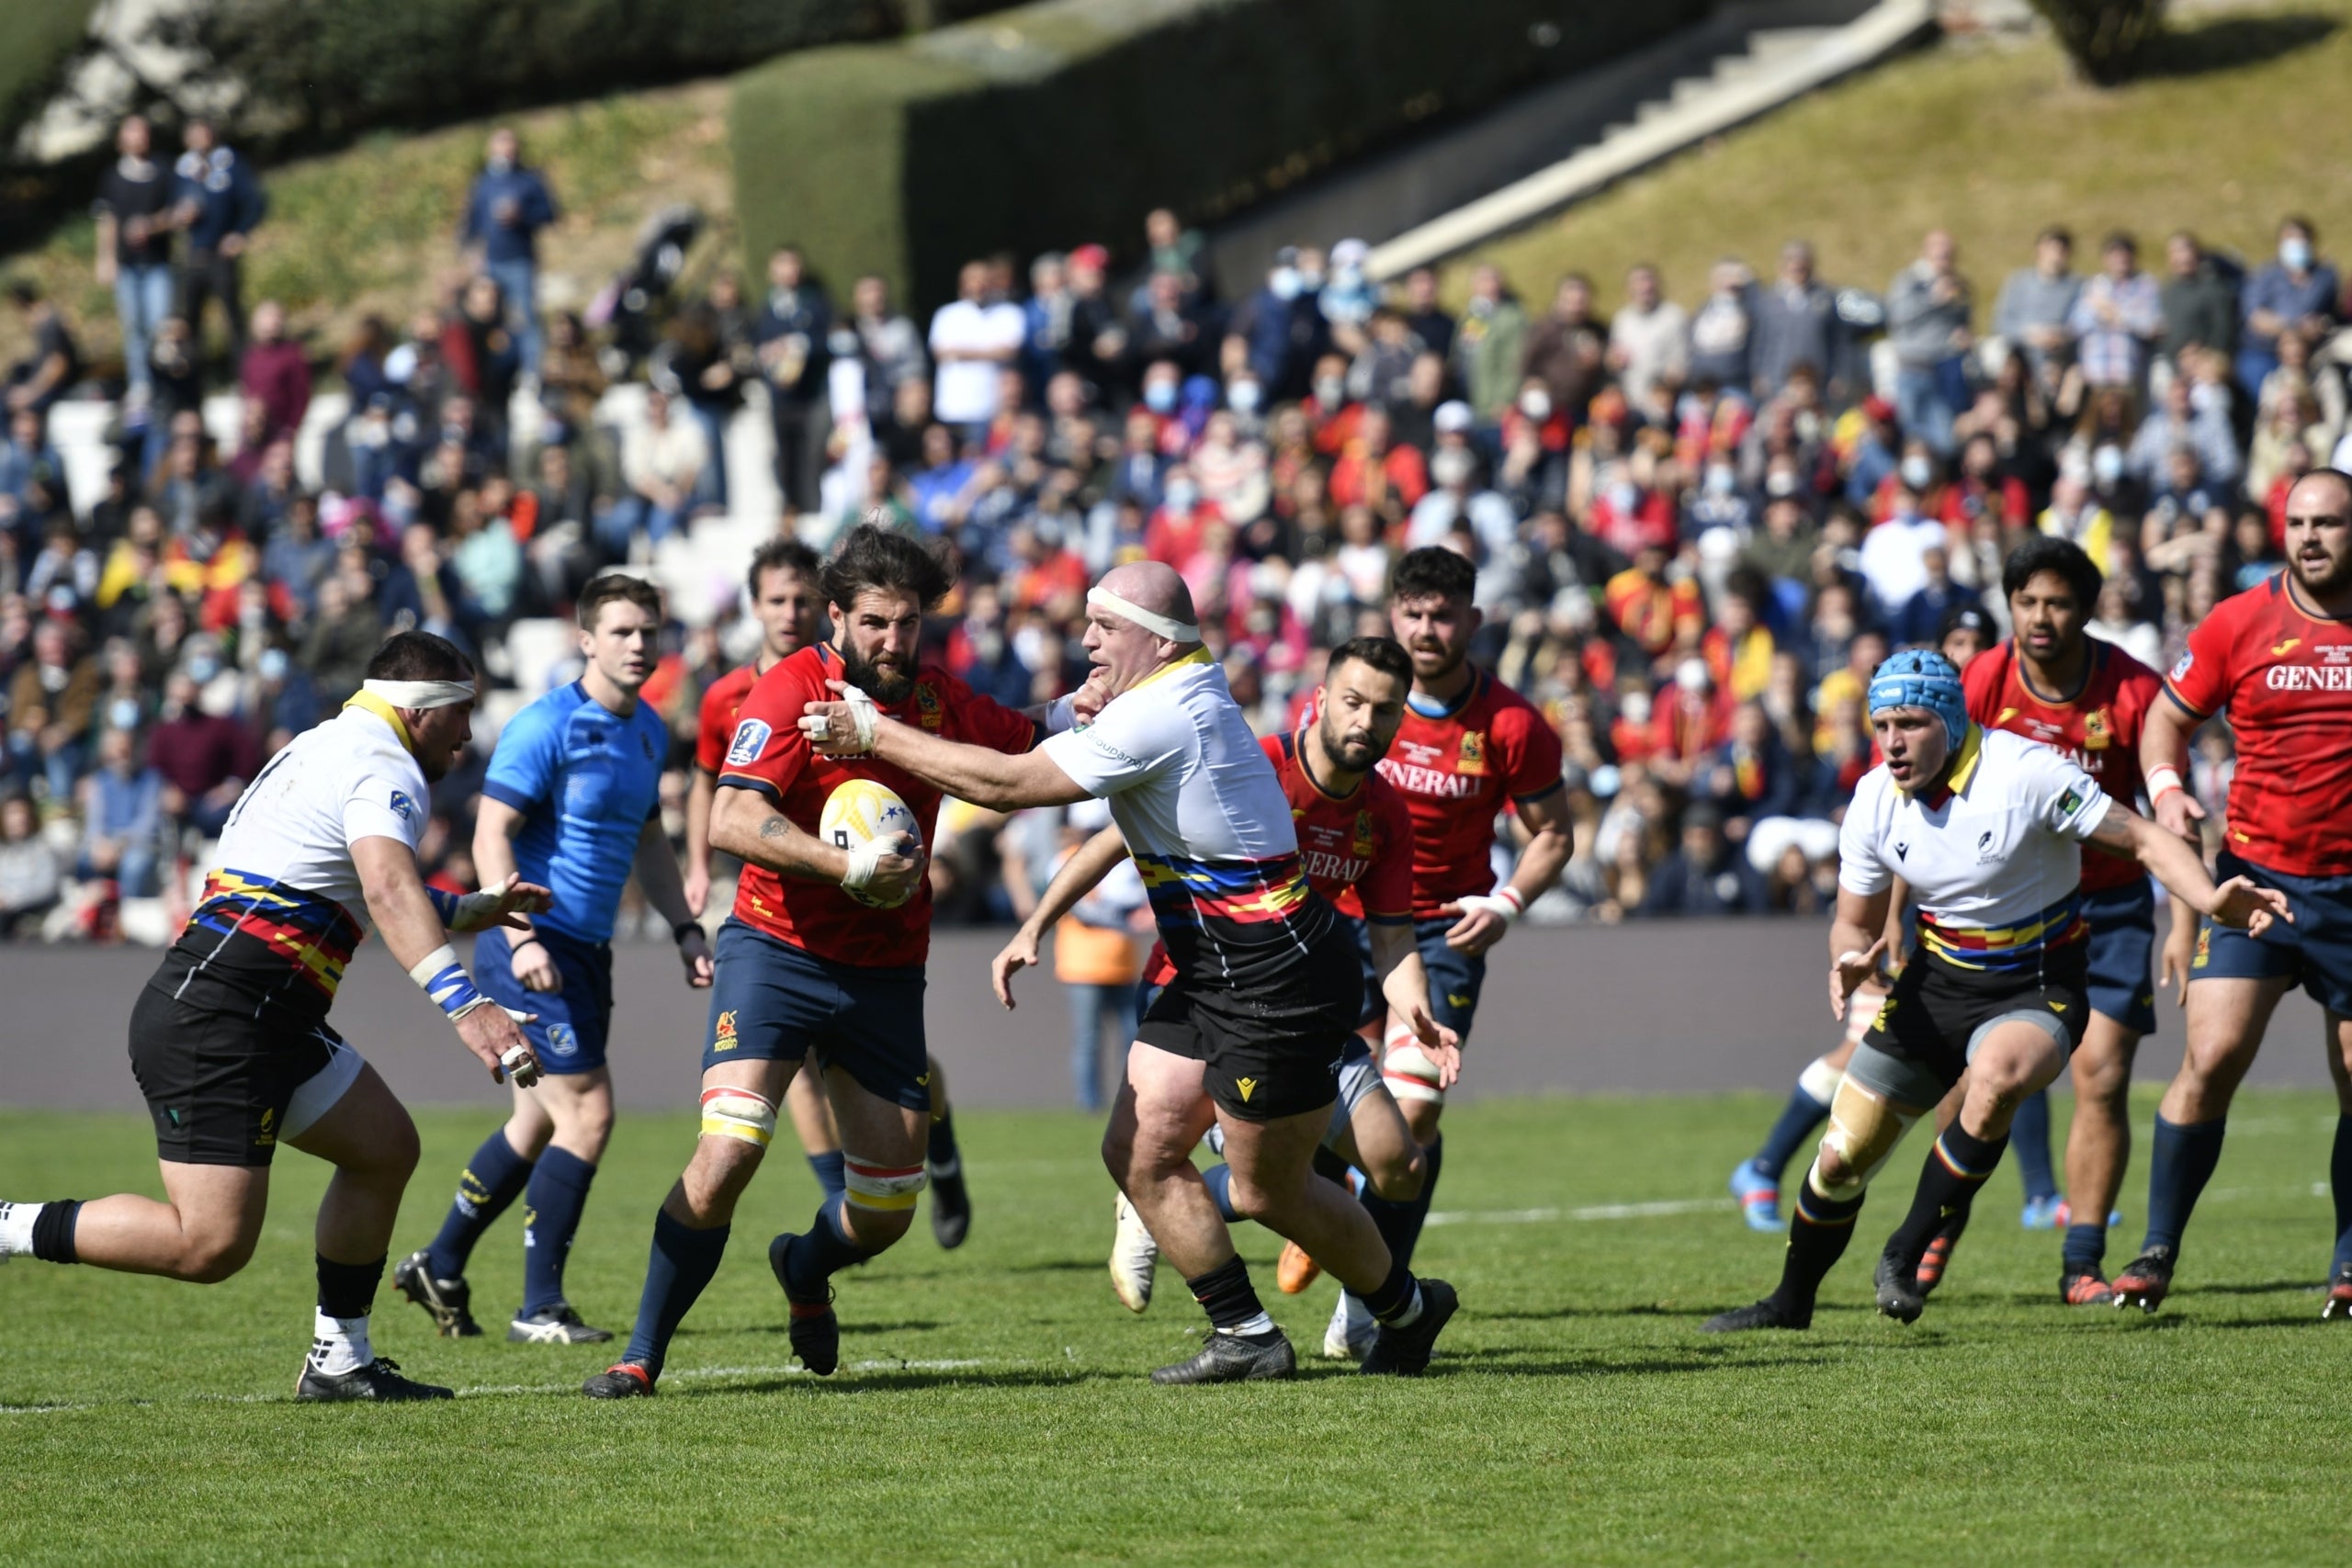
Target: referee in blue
(572,799)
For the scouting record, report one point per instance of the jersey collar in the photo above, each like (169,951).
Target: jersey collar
(368,702)
(1447,710)
(1295,746)
(1963,768)
(1198,656)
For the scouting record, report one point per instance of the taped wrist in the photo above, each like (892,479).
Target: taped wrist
(863,858)
(445,905)
(439,976)
(1504,901)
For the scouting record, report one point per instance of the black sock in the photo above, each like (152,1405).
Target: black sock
(349,1290)
(1957,1164)
(2339,1175)
(942,1151)
(53,1230)
(1330,1166)
(1226,1294)
(1398,1302)
(1400,1224)
(1819,1229)
(683,1261)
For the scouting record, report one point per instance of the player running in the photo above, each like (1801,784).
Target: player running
(1268,987)
(784,581)
(573,800)
(1469,747)
(2278,657)
(1355,841)
(1985,828)
(824,953)
(230,1041)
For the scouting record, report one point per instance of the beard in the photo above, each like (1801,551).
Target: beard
(1357,753)
(2332,578)
(887,687)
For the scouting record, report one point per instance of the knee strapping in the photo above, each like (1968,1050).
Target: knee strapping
(1864,1130)
(885,1189)
(1407,1071)
(1820,1080)
(731,1113)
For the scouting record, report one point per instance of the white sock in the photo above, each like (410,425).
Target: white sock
(16,1227)
(1260,1324)
(953,1167)
(1412,1312)
(340,1345)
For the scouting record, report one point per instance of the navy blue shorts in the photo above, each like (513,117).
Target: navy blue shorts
(2315,949)
(570,1034)
(1375,1004)
(1455,977)
(775,1003)
(2123,940)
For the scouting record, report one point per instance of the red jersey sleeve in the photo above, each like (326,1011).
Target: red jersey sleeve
(767,752)
(2201,680)
(1387,887)
(1531,753)
(1981,682)
(2140,690)
(713,729)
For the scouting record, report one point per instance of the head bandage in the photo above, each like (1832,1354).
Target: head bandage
(1149,620)
(421,693)
(1918,679)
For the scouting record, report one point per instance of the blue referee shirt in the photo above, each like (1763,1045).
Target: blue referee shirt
(585,781)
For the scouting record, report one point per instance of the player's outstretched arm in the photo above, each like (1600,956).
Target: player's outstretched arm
(744,825)
(496,825)
(2164,757)
(1486,917)
(700,789)
(1405,984)
(413,931)
(657,873)
(1075,879)
(973,774)
(2237,902)
(1856,941)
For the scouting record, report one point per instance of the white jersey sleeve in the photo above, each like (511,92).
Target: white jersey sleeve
(377,806)
(2061,797)
(1128,743)
(1860,867)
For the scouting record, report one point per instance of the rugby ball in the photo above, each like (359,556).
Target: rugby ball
(859,811)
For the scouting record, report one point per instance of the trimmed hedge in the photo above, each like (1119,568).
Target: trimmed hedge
(1065,121)
(38,40)
(320,70)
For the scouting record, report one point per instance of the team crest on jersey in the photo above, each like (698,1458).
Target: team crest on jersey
(2069,802)
(1474,752)
(561,1041)
(2097,736)
(723,1037)
(403,807)
(927,702)
(2181,669)
(1364,846)
(751,739)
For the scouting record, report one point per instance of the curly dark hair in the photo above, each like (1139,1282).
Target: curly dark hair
(872,557)
(1434,570)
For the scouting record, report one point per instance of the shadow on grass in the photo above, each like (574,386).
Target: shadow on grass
(2226,44)
(1056,1266)
(874,1379)
(2262,1288)
(1562,1314)
(1697,1358)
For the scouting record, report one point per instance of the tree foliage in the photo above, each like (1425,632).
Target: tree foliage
(2106,40)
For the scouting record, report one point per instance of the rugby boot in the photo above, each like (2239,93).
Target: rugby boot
(2145,1280)
(1353,1328)
(1135,1257)
(623,1380)
(951,1211)
(557,1325)
(1933,1261)
(1898,1291)
(2048,1213)
(379,1379)
(814,1331)
(1293,1271)
(1766,1313)
(1234,1357)
(1405,1352)
(1759,1198)
(2084,1287)
(2338,1305)
(450,1302)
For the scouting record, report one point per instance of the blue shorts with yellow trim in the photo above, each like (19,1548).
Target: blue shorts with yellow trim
(2314,950)
(570,1034)
(1455,977)
(2123,941)
(775,1003)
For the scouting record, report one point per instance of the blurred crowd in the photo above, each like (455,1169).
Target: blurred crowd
(1697,523)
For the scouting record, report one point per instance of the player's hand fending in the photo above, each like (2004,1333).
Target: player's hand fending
(843,729)
(1848,973)
(501,904)
(1441,1045)
(1019,954)
(2239,902)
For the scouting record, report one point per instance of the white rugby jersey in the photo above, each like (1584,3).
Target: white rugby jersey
(1994,861)
(1205,819)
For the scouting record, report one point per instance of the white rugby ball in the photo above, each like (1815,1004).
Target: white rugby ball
(859,811)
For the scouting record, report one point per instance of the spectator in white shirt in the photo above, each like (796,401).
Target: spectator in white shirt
(660,460)
(971,339)
(1650,337)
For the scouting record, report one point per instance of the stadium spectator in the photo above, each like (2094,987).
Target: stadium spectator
(2199,301)
(2118,318)
(972,337)
(30,876)
(2295,292)
(1928,307)
(662,462)
(1794,323)
(794,338)
(509,205)
(1490,344)
(41,377)
(122,818)
(219,201)
(2034,315)
(276,374)
(133,210)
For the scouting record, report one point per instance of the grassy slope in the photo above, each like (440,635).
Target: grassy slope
(1577,1416)
(1992,141)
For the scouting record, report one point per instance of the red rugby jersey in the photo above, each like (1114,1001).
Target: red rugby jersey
(1356,849)
(768,753)
(2285,675)
(714,725)
(1456,772)
(2098,731)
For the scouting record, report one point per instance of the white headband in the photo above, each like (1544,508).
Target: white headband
(421,693)
(1149,620)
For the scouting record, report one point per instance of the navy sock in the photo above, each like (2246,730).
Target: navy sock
(1799,1117)
(2339,1178)
(53,1230)
(683,1261)
(349,1290)
(2030,1136)
(1400,1224)
(942,1153)
(818,1253)
(1219,1181)
(552,1206)
(2179,1165)
(493,1179)
(2086,1248)
(831,1176)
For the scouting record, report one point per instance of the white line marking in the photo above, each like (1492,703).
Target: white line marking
(1593,1212)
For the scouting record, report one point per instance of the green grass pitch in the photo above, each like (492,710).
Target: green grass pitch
(992,1405)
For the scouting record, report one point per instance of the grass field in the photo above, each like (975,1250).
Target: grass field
(992,1407)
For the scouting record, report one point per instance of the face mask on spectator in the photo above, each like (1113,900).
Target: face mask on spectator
(1636,706)
(1917,472)
(1182,495)
(2295,252)
(272,664)
(203,668)
(2106,465)
(1285,283)
(1722,478)
(1779,482)
(1310,281)
(1451,466)
(1536,404)
(123,712)
(1622,498)
(1242,397)
(1330,391)
(1160,397)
